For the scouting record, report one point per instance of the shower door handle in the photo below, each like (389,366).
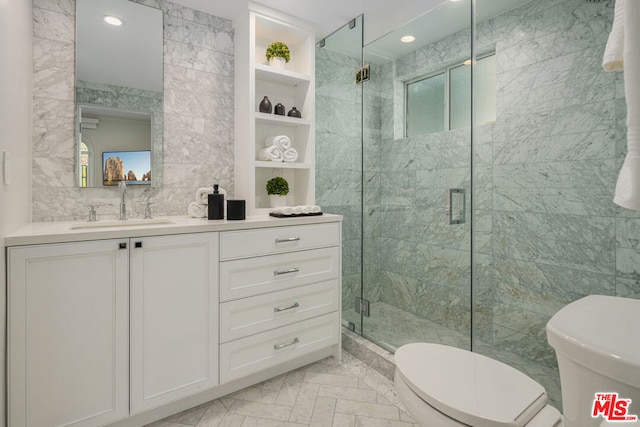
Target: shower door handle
(449,205)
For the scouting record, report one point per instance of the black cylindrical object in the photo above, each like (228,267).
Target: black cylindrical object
(279,109)
(216,204)
(235,209)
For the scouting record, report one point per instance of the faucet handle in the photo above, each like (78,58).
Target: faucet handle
(92,212)
(147,210)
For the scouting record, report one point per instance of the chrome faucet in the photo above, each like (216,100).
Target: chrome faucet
(123,205)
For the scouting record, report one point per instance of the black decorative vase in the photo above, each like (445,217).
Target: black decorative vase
(294,112)
(265,106)
(279,110)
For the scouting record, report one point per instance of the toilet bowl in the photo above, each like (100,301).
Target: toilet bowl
(597,344)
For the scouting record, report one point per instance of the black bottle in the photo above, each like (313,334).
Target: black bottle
(279,109)
(216,204)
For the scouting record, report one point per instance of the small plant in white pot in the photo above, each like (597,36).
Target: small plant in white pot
(277,189)
(278,54)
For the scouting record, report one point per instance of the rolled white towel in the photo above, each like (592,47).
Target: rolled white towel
(316,209)
(202,195)
(290,155)
(287,210)
(306,209)
(281,141)
(298,210)
(196,210)
(272,153)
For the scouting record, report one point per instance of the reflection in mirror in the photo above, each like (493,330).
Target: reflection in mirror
(114,146)
(119,81)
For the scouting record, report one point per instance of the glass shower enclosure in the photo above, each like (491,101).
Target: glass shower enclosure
(475,169)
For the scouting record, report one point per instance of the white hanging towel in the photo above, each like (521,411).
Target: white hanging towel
(628,186)
(614,52)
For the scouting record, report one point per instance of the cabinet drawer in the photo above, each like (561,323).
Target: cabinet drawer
(250,316)
(253,276)
(263,351)
(250,243)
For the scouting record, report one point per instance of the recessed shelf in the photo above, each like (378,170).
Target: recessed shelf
(282,165)
(281,120)
(268,73)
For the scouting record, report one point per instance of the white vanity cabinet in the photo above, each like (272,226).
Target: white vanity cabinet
(174,318)
(106,329)
(280,296)
(68,334)
(109,329)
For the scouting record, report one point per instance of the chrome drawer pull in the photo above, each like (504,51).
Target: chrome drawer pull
(281,346)
(289,271)
(290,239)
(278,310)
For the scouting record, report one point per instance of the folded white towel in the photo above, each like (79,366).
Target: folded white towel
(290,155)
(202,194)
(614,52)
(196,210)
(628,186)
(281,141)
(272,153)
(297,210)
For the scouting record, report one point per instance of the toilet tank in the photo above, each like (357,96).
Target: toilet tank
(597,344)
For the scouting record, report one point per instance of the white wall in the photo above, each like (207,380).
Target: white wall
(15,137)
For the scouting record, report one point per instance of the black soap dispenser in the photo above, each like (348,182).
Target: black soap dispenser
(216,204)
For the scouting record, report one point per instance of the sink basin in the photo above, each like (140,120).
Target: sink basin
(113,224)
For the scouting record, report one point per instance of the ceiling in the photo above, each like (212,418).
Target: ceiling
(327,15)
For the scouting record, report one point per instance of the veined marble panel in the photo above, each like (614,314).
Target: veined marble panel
(577,146)
(574,174)
(628,288)
(54,25)
(398,187)
(594,258)
(338,151)
(53,54)
(338,116)
(597,88)
(199,35)
(576,229)
(544,288)
(579,201)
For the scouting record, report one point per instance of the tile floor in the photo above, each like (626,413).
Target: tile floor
(328,393)
(392,327)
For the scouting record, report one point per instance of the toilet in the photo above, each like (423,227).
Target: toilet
(597,344)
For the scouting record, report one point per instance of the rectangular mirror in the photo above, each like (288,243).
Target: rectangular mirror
(119,92)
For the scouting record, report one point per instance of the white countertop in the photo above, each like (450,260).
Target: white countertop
(36,233)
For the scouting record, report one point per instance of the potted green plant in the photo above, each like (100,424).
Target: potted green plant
(278,54)
(277,189)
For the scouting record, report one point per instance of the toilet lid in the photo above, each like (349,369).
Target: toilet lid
(469,387)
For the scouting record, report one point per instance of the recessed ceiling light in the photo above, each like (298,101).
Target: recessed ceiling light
(407,39)
(112,20)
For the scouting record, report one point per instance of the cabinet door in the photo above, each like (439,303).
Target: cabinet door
(68,334)
(174,318)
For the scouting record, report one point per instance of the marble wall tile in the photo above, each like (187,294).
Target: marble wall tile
(199,103)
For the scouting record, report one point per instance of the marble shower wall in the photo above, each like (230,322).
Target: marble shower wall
(546,231)
(198,114)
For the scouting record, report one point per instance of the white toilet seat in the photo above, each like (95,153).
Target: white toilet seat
(452,387)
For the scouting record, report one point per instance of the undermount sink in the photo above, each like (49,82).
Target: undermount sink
(126,223)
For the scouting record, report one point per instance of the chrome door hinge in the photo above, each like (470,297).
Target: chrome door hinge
(362,306)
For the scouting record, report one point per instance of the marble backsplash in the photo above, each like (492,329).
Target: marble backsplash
(198,114)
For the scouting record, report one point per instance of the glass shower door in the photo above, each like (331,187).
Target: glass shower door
(339,150)
(417,182)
